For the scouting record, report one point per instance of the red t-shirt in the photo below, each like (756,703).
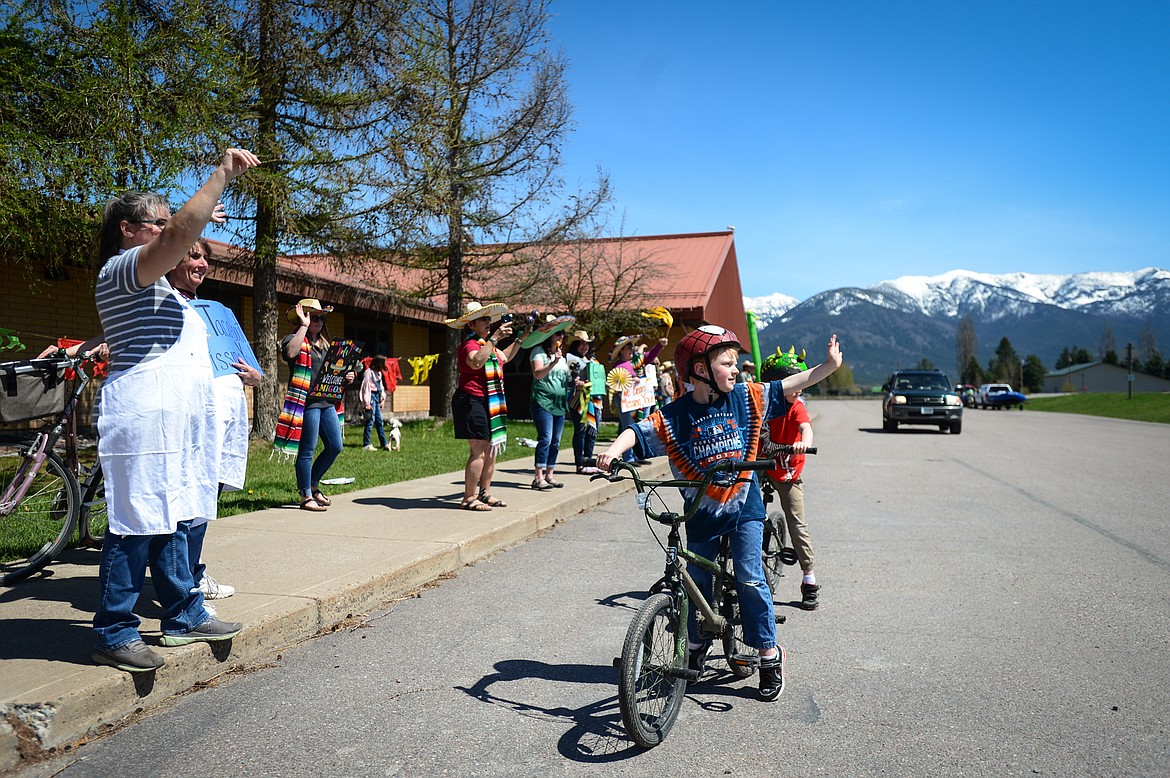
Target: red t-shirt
(471,381)
(786,430)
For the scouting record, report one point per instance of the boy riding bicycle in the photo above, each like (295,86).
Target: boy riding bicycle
(720,419)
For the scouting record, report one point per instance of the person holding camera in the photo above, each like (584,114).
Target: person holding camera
(479,408)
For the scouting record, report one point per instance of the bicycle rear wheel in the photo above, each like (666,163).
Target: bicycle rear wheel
(775,538)
(41,524)
(649,695)
(727,604)
(92,519)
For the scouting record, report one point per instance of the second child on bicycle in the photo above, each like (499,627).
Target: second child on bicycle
(794,428)
(718,420)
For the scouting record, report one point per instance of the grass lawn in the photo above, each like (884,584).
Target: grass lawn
(429,448)
(1144,406)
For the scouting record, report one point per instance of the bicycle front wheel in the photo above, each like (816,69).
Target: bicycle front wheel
(40,525)
(649,693)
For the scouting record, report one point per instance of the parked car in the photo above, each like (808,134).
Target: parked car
(999,396)
(921,397)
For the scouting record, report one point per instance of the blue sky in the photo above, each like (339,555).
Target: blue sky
(851,142)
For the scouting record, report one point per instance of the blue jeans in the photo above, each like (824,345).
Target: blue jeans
(548,436)
(584,437)
(374,419)
(123,570)
(323,423)
(627,420)
(755,599)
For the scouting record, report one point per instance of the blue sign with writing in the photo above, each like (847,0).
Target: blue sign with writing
(226,340)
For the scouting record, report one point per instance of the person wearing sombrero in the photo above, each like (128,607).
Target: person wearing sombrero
(551,385)
(479,407)
(303,420)
(623,355)
(585,402)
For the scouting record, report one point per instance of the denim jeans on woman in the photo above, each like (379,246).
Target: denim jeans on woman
(120,577)
(626,419)
(548,436)
(318,423)
(374,419)
(584,437)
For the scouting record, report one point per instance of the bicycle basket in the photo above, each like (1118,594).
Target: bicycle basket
(29,390)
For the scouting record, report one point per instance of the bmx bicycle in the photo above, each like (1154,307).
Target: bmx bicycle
(653,669)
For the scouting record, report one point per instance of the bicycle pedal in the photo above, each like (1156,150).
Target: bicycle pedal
(750,661)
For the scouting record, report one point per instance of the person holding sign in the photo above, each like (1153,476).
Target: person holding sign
(156,423)
(310,410)
(623,356)
(230,401)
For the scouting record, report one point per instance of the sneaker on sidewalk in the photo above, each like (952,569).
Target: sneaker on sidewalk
(213,589)
(808,596)
(134,657)
(772,676)
(210,631)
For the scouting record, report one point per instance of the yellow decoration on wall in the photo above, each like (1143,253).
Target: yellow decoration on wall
(421,367)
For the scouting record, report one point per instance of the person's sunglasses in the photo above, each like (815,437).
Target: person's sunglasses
(316,318)
(160,223)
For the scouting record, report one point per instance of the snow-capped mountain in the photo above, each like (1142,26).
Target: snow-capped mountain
(898,323)
(769,307)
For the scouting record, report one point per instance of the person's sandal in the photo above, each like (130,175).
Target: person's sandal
(541,485)
(321,498)
(487,499)
(310,504)
(474,504)
(554,484)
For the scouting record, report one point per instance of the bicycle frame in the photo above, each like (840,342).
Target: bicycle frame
(45,439)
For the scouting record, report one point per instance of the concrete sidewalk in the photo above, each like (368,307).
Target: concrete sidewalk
(297,575)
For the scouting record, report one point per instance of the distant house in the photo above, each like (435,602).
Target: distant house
(1101,377)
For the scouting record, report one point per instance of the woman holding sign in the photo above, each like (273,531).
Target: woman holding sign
(307,417)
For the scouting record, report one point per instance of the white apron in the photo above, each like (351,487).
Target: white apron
(231,408)
(157,437)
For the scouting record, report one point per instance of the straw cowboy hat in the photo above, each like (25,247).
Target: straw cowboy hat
(620,343)
(552,325)
(474,310)
(309,304)
(578,335)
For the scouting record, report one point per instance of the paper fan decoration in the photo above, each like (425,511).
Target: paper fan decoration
(618,379)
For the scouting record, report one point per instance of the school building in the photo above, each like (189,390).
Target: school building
(694,275)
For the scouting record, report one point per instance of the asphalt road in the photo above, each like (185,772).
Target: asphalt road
(995,603)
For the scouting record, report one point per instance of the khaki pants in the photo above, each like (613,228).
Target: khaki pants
(791,494)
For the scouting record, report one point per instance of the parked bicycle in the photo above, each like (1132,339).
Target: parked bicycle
(776,552)
(41,500)
(653,669)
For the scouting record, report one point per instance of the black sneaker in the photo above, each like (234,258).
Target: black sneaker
(134,657)
(808,595)
(210,631)
(772,676)
(697,658)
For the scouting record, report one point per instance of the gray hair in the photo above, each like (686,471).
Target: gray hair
(133,207)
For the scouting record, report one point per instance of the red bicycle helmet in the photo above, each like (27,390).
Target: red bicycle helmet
(697,344)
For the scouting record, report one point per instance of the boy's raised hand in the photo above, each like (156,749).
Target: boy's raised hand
(833,353)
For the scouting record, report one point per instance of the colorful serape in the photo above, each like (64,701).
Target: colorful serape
(288,426)
(497,405)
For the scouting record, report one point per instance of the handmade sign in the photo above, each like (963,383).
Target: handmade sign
(341,358)
(226,340)
(639,395)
